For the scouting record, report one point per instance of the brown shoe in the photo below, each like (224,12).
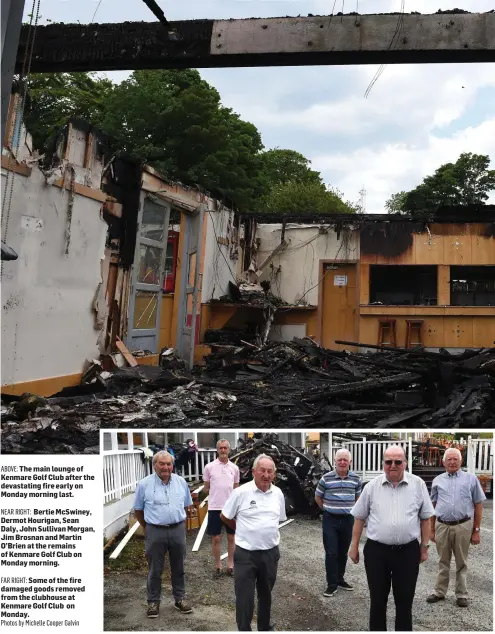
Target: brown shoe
(434,598)
(462,602)
(230,572)
(153,610)
(183,607)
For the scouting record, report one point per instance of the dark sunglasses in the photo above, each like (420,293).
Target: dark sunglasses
(397,463)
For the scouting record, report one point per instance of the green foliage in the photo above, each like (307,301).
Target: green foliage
(55,97)
(468,181)
(396,203)
(283,166)
(304,198)
(174,120)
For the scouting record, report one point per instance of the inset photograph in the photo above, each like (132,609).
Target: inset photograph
(297,530)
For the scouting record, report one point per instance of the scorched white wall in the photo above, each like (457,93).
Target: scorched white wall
(48,324)
(297,279)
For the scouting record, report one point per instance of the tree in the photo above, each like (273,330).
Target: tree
(171,119)
(55,97)
(174,120)
(468,181)
(395,204)
(282,166)
(304,198)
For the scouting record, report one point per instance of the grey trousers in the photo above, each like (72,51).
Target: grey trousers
(157,543)
(254,569)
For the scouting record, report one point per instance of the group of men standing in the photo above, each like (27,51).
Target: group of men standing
(401,519)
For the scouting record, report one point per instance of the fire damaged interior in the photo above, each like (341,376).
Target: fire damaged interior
(472,285)
(403,285)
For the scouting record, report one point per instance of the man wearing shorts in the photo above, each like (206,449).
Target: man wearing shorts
(220,478)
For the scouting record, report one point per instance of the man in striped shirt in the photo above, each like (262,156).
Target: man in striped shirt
(336,494)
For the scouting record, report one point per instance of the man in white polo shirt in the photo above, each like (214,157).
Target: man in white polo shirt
(254,511)
(220,478)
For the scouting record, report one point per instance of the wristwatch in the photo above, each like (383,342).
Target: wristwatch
(476,530)
(424,545)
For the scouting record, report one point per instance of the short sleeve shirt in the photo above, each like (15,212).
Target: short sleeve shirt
(162,503)
(455,495)
(257,515)
(222,477)
(394,513)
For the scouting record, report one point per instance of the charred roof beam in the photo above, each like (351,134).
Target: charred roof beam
(302,41)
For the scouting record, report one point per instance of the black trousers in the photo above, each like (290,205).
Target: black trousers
(396,566)
(254,569)
(337,535)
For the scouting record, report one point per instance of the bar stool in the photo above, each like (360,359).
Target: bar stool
(414,333)
(386,333)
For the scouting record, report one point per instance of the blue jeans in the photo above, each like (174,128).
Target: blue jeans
(337,535)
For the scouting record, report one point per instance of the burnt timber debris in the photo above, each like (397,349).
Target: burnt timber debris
(298,472)
(289,385)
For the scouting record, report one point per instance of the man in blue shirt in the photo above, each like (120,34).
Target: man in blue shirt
(458,500)
(160,508)
(336,494)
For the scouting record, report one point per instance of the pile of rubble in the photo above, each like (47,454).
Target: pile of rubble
(278,385)
(298,473)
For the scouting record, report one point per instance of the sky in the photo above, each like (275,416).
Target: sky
(416,118)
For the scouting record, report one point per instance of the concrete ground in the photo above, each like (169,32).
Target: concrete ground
(298,602)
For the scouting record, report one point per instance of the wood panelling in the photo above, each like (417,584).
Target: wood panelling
(445,244)
(457,249)
(339,307)
(382,310)
(449,331)
(364,286)
(443,285)
(43,387)
(13,166)
(166,316)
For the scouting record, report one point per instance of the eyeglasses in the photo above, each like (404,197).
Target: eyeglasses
(397,463)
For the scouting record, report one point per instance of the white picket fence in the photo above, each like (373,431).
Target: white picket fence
(367,455)
(122,470)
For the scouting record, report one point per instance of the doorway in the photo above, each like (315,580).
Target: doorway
(339,305)
(147,274)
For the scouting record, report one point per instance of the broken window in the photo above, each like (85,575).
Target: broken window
(171,262)
(403,285)
(472,285)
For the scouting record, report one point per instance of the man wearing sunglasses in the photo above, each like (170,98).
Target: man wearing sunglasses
(160,507)
(458,500)
(398,509)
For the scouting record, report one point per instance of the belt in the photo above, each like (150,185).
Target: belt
(464,519)
(165,525)
(394,546)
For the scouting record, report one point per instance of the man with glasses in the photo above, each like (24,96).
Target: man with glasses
(336,494)
(160,507)
(220,478)
(254,511)
(398,509)
(458,500)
